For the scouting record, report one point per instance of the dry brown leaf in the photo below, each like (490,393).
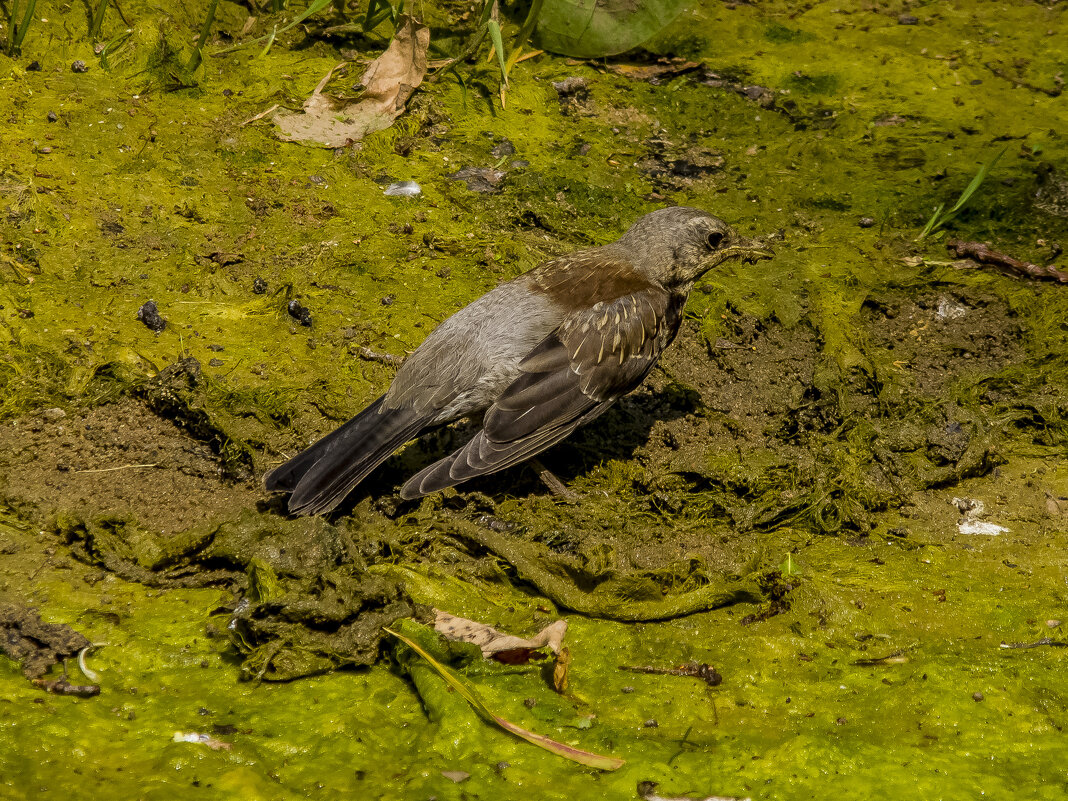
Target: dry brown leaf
(560,670)
(492,641)
(388,83)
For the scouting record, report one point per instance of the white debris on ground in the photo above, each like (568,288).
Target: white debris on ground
(972,511)
(948,310)
(403,189)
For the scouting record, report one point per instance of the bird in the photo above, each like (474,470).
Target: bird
(536,357)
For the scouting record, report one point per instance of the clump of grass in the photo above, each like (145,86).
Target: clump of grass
(940,217)
(16,31)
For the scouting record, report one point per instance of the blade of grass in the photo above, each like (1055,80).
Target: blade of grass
(524,33)
(98,20)
(314,8)
(498,44)
(464,691)
(932,222)
(109,48)
(12,27)
(205,30)
(16,38)
(938,219)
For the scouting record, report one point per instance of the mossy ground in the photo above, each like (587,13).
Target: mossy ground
(817,416)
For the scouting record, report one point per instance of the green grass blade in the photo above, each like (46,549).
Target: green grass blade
(314,8)
(27,18)
(98,20)
(932,222)
(976,182)
(524,32)
(498,45)
(464,691)
(12,28)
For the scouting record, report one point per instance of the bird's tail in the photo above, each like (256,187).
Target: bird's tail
(320,476)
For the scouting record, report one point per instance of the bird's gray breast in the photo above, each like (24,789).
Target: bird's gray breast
(470,358)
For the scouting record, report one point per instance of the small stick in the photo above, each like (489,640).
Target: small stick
(705,672)
(984,254)
(382,358)
(261,115)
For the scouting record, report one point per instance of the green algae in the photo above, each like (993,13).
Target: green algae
(857,410)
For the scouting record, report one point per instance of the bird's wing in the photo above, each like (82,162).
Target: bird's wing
(596,355)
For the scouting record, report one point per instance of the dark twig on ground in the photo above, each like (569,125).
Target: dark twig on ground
(706,673)
(984,254)
(382,358)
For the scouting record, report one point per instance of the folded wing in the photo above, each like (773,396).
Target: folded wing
(595,356)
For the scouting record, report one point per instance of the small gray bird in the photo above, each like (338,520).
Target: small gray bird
(538,356)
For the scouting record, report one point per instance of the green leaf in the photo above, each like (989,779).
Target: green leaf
(498,46)
(595,28)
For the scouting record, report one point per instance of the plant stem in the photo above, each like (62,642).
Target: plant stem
(98,20)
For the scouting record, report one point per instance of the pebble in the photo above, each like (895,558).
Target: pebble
(79,66)
(150,316)
(299,313)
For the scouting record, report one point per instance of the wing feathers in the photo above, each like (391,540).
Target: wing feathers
(572,376)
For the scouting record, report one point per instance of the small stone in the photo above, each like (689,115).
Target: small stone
(215,363)
(150,316)
(529,703)
(651,724)
(571,86)
(33,66)
(299,313)
(866,222)
(228,92)
(55,413)
(79,66)
(505,148)
(388,300)
(259,286)
(908,19)
(44,150)
(52,116)
(480,179)
(455,775)
(977,696)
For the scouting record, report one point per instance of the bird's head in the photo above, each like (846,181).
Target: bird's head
(676,246)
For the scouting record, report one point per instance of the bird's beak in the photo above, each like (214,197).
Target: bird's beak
(749,250)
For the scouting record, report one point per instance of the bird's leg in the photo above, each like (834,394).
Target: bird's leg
(555,485)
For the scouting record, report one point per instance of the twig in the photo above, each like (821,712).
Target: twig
(706,673)
(261,115)
(982,253)
(1023,84)
(382,358)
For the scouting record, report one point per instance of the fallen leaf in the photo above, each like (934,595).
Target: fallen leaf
(492,641)
(388,83)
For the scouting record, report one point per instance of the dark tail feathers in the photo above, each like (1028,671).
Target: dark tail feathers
(322,475)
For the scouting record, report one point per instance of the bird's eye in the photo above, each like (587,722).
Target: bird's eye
(714,240)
